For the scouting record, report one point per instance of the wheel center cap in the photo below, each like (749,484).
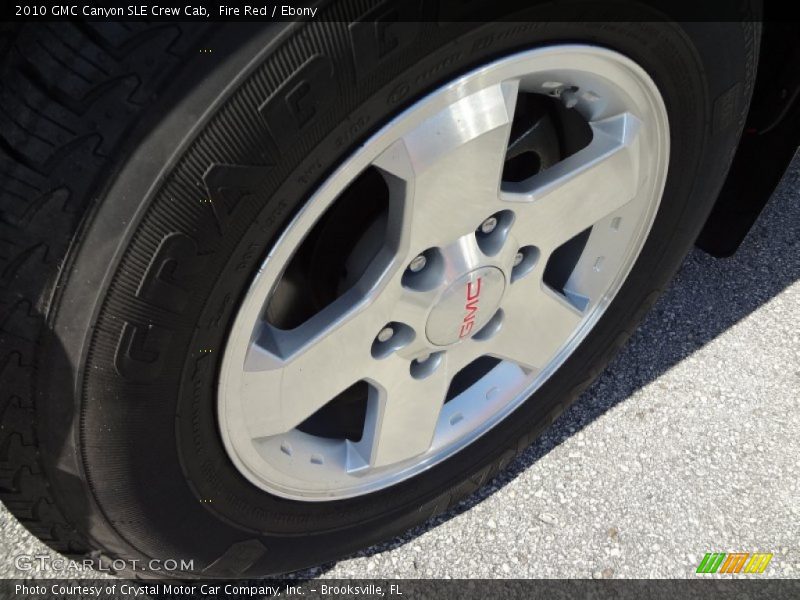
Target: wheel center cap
(466,306)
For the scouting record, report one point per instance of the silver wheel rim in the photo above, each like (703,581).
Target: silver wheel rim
(410,324)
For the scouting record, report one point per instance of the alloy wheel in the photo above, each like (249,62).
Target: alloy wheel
(480,235)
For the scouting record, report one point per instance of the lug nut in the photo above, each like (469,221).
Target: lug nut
(570,97)
(488,226)
(385,334)
(518,258)
(418,264)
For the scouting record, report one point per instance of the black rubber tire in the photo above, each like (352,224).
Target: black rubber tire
(119,278)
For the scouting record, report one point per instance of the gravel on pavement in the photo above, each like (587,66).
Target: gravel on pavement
(689,443)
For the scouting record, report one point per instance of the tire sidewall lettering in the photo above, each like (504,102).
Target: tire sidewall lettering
(303,118)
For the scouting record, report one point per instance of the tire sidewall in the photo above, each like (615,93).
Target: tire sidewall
(155,442)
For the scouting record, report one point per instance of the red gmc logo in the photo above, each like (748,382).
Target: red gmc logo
(471,306)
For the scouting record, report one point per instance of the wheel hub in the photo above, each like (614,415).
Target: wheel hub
(466,306)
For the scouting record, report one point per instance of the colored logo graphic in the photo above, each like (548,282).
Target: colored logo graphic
(736,562)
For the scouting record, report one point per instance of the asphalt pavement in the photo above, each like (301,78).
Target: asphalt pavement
(689,443)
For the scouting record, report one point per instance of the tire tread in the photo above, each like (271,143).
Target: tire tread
(69,93)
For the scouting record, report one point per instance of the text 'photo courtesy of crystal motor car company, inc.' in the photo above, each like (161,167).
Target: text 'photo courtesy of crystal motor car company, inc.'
(283,287)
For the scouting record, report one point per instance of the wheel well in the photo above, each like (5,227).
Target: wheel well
(769,141)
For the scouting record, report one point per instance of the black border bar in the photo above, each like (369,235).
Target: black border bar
(701,588)
(399,10)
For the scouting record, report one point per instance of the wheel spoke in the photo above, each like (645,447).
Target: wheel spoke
(291,375)
(592,275)
(402,413)
(554,206)
(457,153)
(537,323)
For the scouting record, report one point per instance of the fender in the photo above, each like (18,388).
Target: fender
(769,141)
